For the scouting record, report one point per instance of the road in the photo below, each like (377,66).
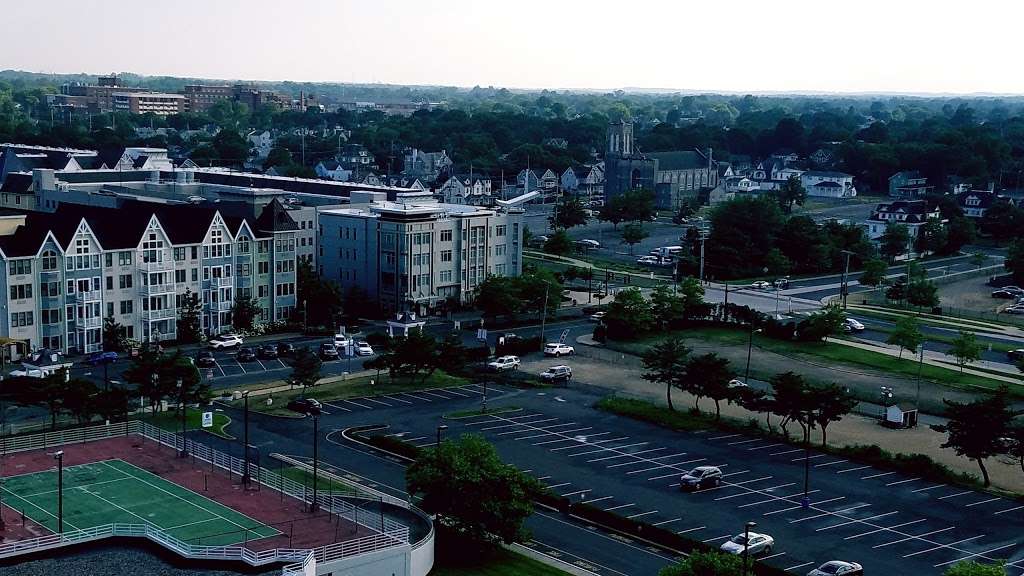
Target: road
(875,331)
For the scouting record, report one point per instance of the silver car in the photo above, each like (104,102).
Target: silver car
(757,544)
(837,568)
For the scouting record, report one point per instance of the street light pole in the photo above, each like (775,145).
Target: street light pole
(746,544)
(184,426)
(316,439)
(920,365)
(544,317)
(440,429)
(805,502)
(245,443)
(59,455)
(750,344)
(846,272)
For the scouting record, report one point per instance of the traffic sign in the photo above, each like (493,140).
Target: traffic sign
(207,419)
(481,334)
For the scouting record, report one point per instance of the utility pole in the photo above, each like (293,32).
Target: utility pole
(184,426)
(59,455)
(544,317)
(316,473)
(846,271)
(750,344)
(245,442)
(746,544)
(805,502)
(920,365)
(440,429)
(703,235)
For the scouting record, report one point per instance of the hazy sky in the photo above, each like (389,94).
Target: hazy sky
(743,45)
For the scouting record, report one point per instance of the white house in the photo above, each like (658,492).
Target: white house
(911,213)
(465,189)
(332,170)
(828,184)
(261,143)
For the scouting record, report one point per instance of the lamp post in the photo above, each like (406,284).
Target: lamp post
(59,456)
(920,365)
(440,429)
(245,441)
(845,290)
(746,544)
(316,440)
(750,344)
(184,426)
(805,502)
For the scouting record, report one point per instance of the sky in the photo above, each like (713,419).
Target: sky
(904,46)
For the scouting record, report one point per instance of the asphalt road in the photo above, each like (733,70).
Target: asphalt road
(872,332)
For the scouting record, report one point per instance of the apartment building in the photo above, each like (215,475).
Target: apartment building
(415,253)
(158,103)
(62,273)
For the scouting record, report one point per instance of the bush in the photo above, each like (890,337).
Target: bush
(392,444)
(379,340)
(518,346)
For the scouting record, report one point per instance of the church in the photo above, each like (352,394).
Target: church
(672,176)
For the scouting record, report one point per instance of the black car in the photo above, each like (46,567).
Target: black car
(1004,294)
(245,355)
(268,351)
(1015,355)
(305,406)
(328,351)
(205,359)
(285,349)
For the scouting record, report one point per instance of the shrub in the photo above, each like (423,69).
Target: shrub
(394,445)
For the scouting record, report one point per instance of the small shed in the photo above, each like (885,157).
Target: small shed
(901,415)
(402,323)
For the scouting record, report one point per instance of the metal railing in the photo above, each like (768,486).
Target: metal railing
(163,314)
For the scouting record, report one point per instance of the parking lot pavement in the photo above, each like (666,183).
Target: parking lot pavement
(887,521)
(425,397)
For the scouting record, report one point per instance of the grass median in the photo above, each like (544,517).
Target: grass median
(170,420)
(498,563)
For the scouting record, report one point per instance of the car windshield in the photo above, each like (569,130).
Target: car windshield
(696,472)
(830,568)
(741,539)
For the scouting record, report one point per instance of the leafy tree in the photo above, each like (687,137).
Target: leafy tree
(231,148)
(978,259)
(147,364)
(558,243)
(691,292)
(568,213)
(50,391)
(115,336)
(960,231)
(472,492)
(112,405)
(804,244)
(743,232)
(317,294)
(931,237)
(665,363)
(496,296)
(1014,262)
(633,234)
(894,240)
(830,403)
(897,291)
(189,316)
(305,369)
(874,272)
(975,428)
(686,209)
(965,348)
(973,568)
(628,315)
(638,205)
(922,293)
(792,401)
(907,335)
(243,313)
(1003,220)
(613,211)
(823,324)
(708,563)
(666,307)
(278,156)
(452,355)
(792,192)
(78,399)
(412,354)
(708,375)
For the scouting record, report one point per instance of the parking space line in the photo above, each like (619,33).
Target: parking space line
(763,558)
(543,477)
(830,463)
(368,399)
(643,461)
(676,473)
(613,458)
(281,362)
(642,514)
(338,407)
(798,566)
(609,448)
(264,368)
(691,529)
(240,366)
(658,467)
(815,457)
(549,433)
(584,443)
(955,494)
(592,500)
(663,522)
(800,506)
(831,526)
(619,507)
(913,537)
(898,482)
(217,364)
(559,485)
(845,470)
(576,493)
(396,399)
(421,398)
(877,475)
(452,391)
(928,488)
(852,508)
(749,481)
(689,461)
(982,502)
(735,473)
(766,446)
(554,441)
(884,529)
(780,486)
(516,424)
(717,538)
(973,555)
(741,442)
(1008,510)
(784,452)
(357,404)
(942,546)
(777,498)
(653,460)
(724,437)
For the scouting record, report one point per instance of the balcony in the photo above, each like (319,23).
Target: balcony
(153,289)
(222,306)
(158,266)
(87,323)
(88,296)
(152,315)
(221,282)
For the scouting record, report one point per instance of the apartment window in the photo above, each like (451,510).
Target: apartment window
(19,319)
(124,258)
(499,250)
(263,267)
(110,308)
(50,260)
(244,246)
(446,255)
(71,287)
(21,291)
(499,269)
(389,258)
(446,235)
(19,267)
(108,259)
(126,306)
(500,230)
(195,252)
(263,246)
(262,290)
(124,281)
(110,282)
(49,289)
(195,274)
(446,276)
(180,276)
(50,316)
(245,270)
(179,254)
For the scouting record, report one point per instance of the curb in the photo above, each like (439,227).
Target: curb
(548,560)
(496,411)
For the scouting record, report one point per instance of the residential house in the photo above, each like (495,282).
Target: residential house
(332,170)
(911,213)
(353,155)
(823,159)
(584,181)
(975,203)
(909,184)
(466,189)
(261,142)
(426,166)
(828,184)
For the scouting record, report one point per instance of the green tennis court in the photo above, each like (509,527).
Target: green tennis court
(114,491)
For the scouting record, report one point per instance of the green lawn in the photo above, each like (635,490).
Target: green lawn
(682,418)
(478,412)
(503,563)
(171,421)
(306,477)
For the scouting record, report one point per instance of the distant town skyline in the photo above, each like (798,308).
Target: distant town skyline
(789,46)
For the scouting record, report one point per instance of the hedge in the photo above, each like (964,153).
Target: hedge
(393,444)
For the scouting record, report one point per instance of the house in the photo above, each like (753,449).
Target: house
(558,143)
(352,155)
(426,165)
(466,189)
(975,203)
(405,182)
(909,184)
(828,184)
(823,159)
(261,142)
(26,158)
(527,180)
(136,158)
(720,194)
(585,181)
(547,179)
(332,170)
(740,184)
(911,213)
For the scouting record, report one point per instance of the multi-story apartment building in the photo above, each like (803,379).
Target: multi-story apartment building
(158,103)
(62,273)
(416,253)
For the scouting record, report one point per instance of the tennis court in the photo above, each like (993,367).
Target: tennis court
(115,491)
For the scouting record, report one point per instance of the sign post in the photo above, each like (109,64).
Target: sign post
(207,419)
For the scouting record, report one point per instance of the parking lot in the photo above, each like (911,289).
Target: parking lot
(886,521)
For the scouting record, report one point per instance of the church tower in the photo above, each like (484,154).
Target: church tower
(620,139)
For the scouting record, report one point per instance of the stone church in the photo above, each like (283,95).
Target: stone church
(672,176)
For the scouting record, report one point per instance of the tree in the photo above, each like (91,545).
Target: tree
(317,294)
(708,375)
(243,313)
(112,405)
(685,210)
(922,293)
(1014,262)
(305,369)
(496,296)
(612,211)
(452,355)
(115,336)
(897,291)
(78,399)
(189,314)
(894,240)
(907,335)
(960,231)
(568,213)
(975,428)
(792,401)
(972,568)
(558,243)
(667,308)
(472,492)
(633,234)
(691,292)
(707,563)
(638,205)
(830,403)
(278,156)
(145,373)
(743,232)
(823,324)
(931,237)
(874,273)
(413,354)
(665,363)
(792,192)
(231,148)
(628,315)
(965,348)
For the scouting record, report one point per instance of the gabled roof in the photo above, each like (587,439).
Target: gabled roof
(275,218)
(985,198)
(827,174)
(17,182)
(679,160)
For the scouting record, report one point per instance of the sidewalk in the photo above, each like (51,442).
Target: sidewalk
(932,358)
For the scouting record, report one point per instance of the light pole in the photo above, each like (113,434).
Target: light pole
(750,344)
(184,426)
(59,456)
(746,544)
(805,502)
(440,429)
(846,272)
(316,440)
(920,365)
(245,441)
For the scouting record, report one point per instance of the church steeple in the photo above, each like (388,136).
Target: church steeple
(620,139)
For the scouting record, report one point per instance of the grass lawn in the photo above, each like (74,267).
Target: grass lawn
(479,412)
(306,477)
(171,421)
(816,352)
(951,322)
(503,563)
(682,418)
(352,388)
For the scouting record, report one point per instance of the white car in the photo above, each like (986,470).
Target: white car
(225,341)
(29,373)
(837,568)
(654,260)
(758,544)
(196,199)
(503,363)
(589,243)
(761,285)
(852,325)
(363,349)
(737,383)
(597,316)
(557,349)
(341,342)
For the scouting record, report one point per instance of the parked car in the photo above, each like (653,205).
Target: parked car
(588,243)
(1015,355)
(701,477)
(852,325)
(306,406)
(597,316)
(363,348)
(557,349)
(342,341)
(225,341)
(737,383)
(1015,309)
(97,358)
(761,285)
(328,351)
(753,543)
(781,283)
(649,260)
(503,363)
(27,373)
(837,568)
(268,351)
(205,359)
(1016,290)
(560,373)
(1004,294)
(245,355)
(285,349)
